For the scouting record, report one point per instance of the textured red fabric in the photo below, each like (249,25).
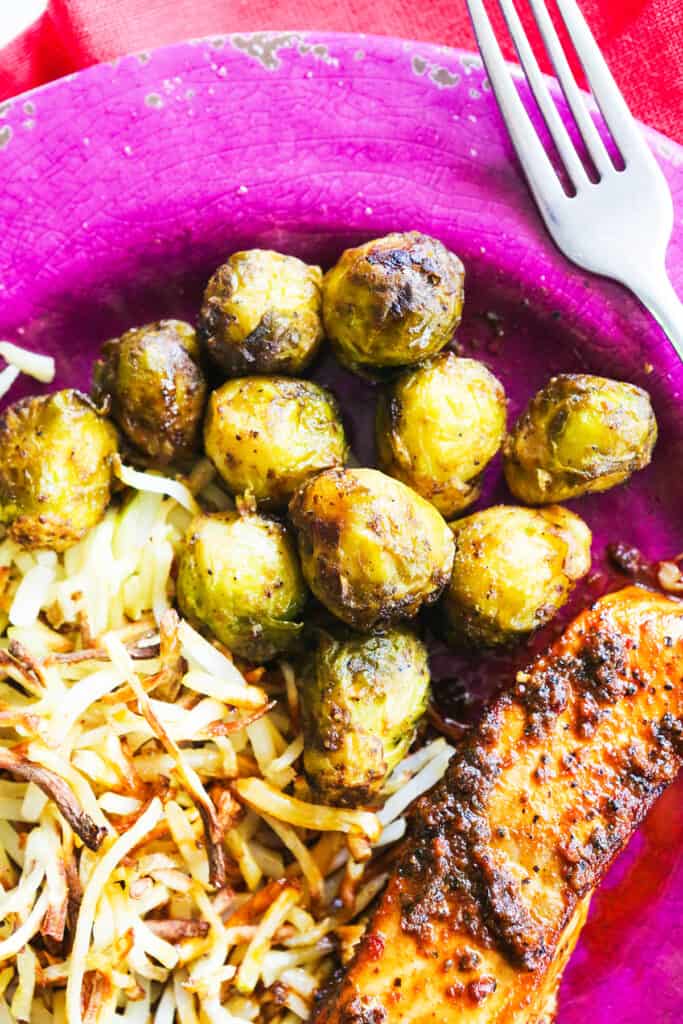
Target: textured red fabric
(641,39)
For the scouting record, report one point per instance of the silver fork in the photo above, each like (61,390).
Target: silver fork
(619,226)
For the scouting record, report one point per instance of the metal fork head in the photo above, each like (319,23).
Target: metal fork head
(617,224)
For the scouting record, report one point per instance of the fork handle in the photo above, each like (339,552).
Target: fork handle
(658,295)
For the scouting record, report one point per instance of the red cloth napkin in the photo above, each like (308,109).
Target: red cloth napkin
(641,39)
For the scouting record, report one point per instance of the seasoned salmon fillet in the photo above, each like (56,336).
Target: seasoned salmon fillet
(492,887)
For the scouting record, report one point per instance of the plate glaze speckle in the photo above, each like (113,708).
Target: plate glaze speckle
(125,185)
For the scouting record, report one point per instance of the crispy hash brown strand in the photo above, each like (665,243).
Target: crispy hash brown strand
(161,855)
(491,891)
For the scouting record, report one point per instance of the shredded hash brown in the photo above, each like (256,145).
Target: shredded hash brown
(161,856)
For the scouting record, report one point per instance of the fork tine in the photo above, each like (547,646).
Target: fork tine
(540,174)
(612,105)
(546,104)
(572,93)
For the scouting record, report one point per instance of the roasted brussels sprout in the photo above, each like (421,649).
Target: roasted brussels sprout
(372,550)
(55,469)
(438,426)
(393,301)
(261,314)
(267,435)
(361,698)
(239,579)
(157,388)
(579,434)
(513,568)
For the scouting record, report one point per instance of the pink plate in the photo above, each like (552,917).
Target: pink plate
(124,186)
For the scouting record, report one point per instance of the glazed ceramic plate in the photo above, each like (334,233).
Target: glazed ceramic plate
(124,186)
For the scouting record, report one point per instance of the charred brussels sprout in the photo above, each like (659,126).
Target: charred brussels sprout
(361,698)
(261,314)
(513,568)
(579,434)
(55,469)
(157,388)
(372,550)
(239,579)
(392,302)
(267,435)
(438,426)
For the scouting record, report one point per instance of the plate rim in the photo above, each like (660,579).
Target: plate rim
(376,39)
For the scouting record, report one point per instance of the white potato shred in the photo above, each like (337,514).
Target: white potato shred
(161,856)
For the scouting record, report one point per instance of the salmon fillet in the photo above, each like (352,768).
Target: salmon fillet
(491,890)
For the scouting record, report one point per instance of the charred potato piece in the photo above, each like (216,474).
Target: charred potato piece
(438,426)
(393,301)
(262,314)
(239,580)
(268,435)
(513,569)
(55,469)
(157,388)
(372,550)
(361,698)
(579,434)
